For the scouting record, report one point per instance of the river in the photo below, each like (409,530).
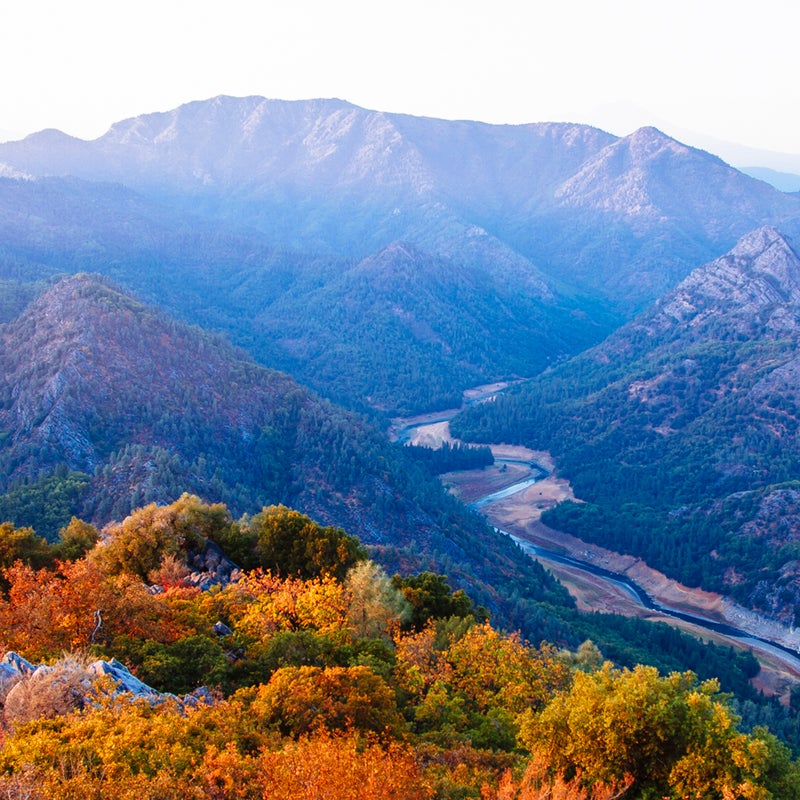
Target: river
(789,657)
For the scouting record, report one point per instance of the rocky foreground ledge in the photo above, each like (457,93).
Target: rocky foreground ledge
(31,691)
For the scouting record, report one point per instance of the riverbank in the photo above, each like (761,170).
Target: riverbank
(519,513)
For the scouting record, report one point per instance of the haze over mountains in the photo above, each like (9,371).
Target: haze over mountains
(552,230)
(326,175)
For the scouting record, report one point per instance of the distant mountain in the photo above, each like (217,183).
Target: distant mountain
(106,404)
(623,218)
(646,209)
(409,332)
(435,327)
(682,428)
(785,181)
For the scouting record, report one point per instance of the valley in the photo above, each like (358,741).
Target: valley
(209,318)
(523,483)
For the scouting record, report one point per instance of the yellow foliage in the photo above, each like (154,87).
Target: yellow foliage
(300,699)
(493,669)
(261,605)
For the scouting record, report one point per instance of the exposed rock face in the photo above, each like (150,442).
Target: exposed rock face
(756,284)
(751,292)
(30,692)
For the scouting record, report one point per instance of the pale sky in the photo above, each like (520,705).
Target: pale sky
(712,68)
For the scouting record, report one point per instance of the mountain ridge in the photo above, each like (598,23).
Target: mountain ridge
(680,429)
(343,179)
(137,408)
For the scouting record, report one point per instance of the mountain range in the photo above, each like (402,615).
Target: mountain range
(389,262)
(551,233)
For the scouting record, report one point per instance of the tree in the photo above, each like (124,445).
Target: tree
(143,539)
(75,540)
(292,544)
(664,735)
(376,607)
(22,544)
(298,700)
(431,597)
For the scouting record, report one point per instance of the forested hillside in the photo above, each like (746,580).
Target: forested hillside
(389,262)
(312,615)
(401,330)
(680,429)
(106,404)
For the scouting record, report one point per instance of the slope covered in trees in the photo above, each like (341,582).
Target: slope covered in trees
(680,429)
(106,404)
(402,329)
(387,261)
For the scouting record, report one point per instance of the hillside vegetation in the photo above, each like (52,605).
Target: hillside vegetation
(387,261)
(326,678)
(107,404)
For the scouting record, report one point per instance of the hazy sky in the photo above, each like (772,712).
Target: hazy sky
(723,68)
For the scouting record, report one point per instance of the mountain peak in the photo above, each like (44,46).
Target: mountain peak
(231,114)
(757,284)
(757,243)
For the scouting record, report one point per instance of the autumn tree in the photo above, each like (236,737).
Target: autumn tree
(291,544)
(142,540)
(476,686)
(298,700)
(22,544)
(375,606)
(431,597)
(666,735)
(75,540)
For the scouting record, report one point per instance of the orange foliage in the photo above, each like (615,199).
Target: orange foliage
(538,784)
(133,751)
(301,699)
(49,612)
(419,663)
(340,768)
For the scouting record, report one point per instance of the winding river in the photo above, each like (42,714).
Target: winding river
(636,592)
(789,656)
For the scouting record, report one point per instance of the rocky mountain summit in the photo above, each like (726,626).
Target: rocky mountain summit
(756,286)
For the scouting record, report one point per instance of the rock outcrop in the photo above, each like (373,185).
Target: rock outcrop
(33,691)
